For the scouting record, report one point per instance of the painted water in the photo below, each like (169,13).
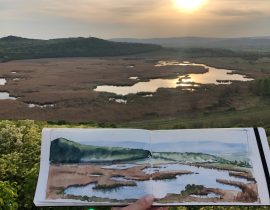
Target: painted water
(210,195)
(213,76)
(160,188)
(119,166)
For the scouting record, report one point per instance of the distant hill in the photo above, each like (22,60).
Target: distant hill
(66,151)
(204,42)
(13,48)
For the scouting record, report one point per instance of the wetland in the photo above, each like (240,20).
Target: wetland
(121,89)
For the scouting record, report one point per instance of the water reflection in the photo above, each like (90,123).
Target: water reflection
(148,96)
(213,76)
(133,78)
(118,100)
(151,86)
(5,95)
(41,106)
(3,81)
(200,175)
(176,63)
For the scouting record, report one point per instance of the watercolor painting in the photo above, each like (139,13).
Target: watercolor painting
(175,168)
(218,167)
(89,169)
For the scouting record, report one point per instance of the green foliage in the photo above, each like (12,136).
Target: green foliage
(19,161)
(262,87)
(19,166)
(235,163)
(180,126)
(198,158)
(113,186)
(14,48)
(8,195)
(65,151)
(193,189)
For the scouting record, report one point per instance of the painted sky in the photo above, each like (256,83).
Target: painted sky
(133,18)
(210,141)
(232,136)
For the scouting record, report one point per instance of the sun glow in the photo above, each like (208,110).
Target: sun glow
(188,5)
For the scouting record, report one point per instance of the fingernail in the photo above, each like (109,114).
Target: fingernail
(149,198)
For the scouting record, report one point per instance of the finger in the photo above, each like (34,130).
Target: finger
(142,204)
(159,208)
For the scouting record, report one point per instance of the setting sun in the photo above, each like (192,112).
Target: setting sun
(189,5)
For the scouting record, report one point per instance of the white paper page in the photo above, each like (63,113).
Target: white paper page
(219,140)
(195,151)
(76,176)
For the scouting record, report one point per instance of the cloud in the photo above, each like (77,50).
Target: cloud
(238,12)
(132,18)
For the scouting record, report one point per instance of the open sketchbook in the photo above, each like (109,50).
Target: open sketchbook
(115,167)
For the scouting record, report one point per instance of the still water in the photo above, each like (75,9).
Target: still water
(213,76)
(160,187)
(5,95)
(3,81)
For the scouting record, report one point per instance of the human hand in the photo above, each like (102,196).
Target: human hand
(144,203)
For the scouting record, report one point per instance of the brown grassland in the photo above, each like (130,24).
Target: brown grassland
(69,83)
(63,176)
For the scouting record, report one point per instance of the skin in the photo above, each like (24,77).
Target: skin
(144,203)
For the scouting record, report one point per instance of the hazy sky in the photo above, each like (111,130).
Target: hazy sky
(133,18)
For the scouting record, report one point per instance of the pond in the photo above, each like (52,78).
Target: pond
(3,81)
(118,100)
(160,188)
(133,78)
(119,166)
(6,95)
(213,76)
(41,106)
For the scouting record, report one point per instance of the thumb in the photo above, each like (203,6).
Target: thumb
(142,204)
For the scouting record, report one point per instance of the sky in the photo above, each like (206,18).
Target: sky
(232,136)
(107,19)
(205,141)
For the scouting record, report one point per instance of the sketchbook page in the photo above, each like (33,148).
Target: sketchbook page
(207,167)
(265,145)
(40,193)
(93,167)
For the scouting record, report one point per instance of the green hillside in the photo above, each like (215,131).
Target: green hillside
(187,157)
(15,48)
(66,151)
(190,157)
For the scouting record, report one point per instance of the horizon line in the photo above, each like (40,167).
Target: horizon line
(145,38)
